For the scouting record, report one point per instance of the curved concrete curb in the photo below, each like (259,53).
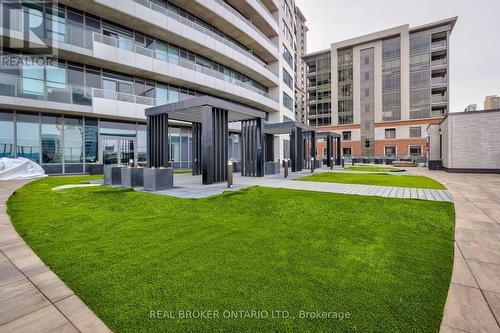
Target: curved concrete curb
(32,297)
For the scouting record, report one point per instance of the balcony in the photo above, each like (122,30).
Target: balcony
(438,45)
(439,99)
(173,59)
(439,62)
(439,80)
(207,32)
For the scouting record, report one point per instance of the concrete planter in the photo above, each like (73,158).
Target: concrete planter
(435,165)
(389,161)
(366,160)
(379,161)
(132,177)
(158,179)
(272,168)
(317,164)
(107,174)
(116,175)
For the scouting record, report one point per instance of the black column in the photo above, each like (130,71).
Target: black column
(214,133)
(297,149)
(252,148)
(269,146)
(157,140)
(313,145)
(339,152)
(329,150)
(196,149)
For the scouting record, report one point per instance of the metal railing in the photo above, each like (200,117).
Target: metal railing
(439,99)
(123,97)
(203,30)
(173,59)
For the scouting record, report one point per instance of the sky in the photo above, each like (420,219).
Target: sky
(475,40)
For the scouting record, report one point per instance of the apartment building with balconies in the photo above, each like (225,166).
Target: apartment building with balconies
(300,66)
(383,89)
(112,59)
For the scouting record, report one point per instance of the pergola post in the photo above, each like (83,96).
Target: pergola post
(329,150)
(339,152)
(214,133)
(157,141)
(252,148)
(196,149)
(297,149)
(313,147)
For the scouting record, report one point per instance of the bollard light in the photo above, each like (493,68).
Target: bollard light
(312,164)
(285,168)
(331,163)
(229,174)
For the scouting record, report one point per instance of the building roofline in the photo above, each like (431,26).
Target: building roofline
(297,9)
(314,54)
(452,21)
(386,33)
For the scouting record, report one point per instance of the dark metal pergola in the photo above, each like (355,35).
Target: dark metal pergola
(210,117)
(330,138)
(302,142)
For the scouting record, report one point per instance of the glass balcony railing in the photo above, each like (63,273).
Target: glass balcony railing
(439,99)
(206,31)
(176,60)
(439,80)
(20,87)
(438,44)
(439,62)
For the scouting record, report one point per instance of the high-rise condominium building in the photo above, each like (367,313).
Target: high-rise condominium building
(300,67)
(101,63)
(492,102)
(380,91)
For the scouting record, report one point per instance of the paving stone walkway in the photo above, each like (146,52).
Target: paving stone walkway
(32,297)
(188,186)
(473,303)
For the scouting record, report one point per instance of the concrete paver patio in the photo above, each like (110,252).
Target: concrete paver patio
(473,303)
(32,297)
(188,186)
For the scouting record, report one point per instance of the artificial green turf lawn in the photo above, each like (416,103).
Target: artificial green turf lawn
(182,171)
(374,179)
(387,262)
(370,168)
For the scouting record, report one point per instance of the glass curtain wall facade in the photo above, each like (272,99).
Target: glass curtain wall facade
(367,102)
(345,89)
(319,76)
(70,144)
(420,75)
(391,79)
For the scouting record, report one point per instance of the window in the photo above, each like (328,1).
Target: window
(415,150)
(367,76)
(367,60)
(287,79)
(367,143)
(347,151)
(346,136)
(287,101)
(367,108)
(390,150)
(367,92)
(390,133)
(6,133)
(288,56)
(415,132)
